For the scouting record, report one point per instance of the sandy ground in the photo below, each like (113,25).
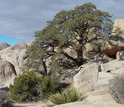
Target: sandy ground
(29,105)
(38,104)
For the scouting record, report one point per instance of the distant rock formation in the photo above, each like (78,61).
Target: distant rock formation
(4,45)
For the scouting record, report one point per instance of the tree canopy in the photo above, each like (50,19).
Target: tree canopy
(73,28)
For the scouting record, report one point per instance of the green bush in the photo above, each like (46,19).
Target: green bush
(69,95)
(117,88)
(31,86)
(46,87)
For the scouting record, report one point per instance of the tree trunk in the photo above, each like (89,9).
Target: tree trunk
(79,54)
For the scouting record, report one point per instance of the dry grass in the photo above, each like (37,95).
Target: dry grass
(117,88)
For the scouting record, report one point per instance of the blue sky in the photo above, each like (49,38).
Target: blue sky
(10,40)
(19,19)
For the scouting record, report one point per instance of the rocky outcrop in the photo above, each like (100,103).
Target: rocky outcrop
(112,66)
(89,47)
(96,79)
(119,22)
(70,51)
(115,42)
(86,78)
(4,45)
(120,55)
(113,45)
(67,77)
(12,60)
(93,76)
(90,104)
(15,55)
(19,46)
(7,72)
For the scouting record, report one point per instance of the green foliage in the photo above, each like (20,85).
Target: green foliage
(31,86)
(46,87)
(24,87)
(117,88)
(85,21)
(35,52)
(104,44)
(55,68)
(118,31)
(69,95)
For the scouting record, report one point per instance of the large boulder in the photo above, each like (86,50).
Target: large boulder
(70,51)
(15,55)
(90,104)
(4,45)
(113,45)
(19,46)
(87,77)
(120,55)
(119,71)
(119,22)
(103,81)
(7,72)
(112,66)
(89,47)
(115,42)
(95,84)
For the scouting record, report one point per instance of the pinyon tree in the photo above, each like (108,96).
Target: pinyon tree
(69,29)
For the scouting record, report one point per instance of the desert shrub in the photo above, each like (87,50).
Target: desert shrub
(69,95)
(4,99)
(30,86)
(117,88)
(46,87)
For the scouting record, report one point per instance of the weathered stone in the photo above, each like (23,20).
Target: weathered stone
(89,55)
(48,62)
(67,77)
(19,46)
(22,59)
(113,45)
(90,104)
(119,71)
(7,72)
(110,50)
(111,66)
(119,22)
(15,55)
(103,81)
(120,55)
(70,51)
(6,69)
(89,47)
(86,78)
(4,45)
(29,44)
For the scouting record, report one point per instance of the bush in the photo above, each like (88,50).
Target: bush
(4,99)
(31,86)
(46,87)
(69,95)
(117,88)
